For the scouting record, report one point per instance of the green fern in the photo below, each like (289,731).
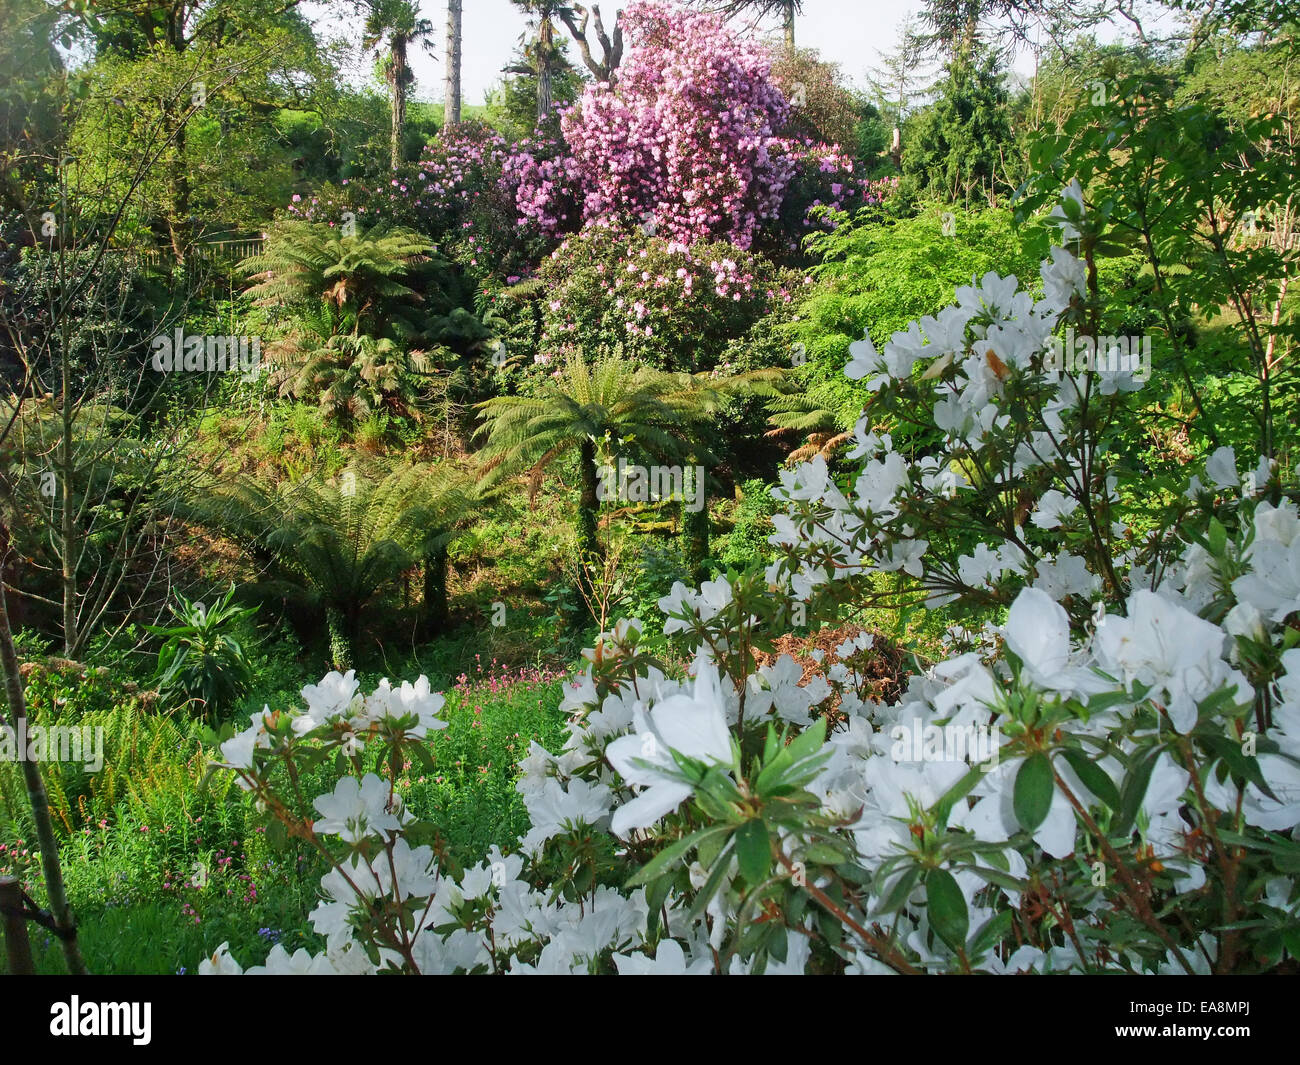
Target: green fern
(334,545)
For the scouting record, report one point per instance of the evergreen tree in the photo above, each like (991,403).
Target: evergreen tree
(961,147)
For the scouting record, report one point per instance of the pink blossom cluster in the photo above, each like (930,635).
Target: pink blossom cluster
(497,677)
(546,184)
(465,159)
(687,139)
(659,296)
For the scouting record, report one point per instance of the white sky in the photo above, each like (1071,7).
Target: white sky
(853,33)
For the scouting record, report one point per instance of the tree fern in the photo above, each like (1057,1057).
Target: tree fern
(335,545)
(614,403)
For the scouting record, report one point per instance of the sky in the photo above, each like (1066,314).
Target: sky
(853,33)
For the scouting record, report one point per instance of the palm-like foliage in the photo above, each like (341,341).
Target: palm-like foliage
(759,9)
(661,415)
(202,660)
(353,315)
(396,25)
(362,276)
(353,376)
(543,50)
(335,545)
(799,412)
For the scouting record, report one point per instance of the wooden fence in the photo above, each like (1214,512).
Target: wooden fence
(213,251)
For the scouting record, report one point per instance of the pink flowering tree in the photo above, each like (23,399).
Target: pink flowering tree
(688,142)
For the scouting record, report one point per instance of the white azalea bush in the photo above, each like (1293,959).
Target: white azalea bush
(1105,778)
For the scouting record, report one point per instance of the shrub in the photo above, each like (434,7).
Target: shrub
(1121,750)
(201,659)
(663,303)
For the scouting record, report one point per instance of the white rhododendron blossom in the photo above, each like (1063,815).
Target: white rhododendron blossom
(1074,757)
(359,809)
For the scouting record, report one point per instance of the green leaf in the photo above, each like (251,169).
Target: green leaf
(754,850)
(1238,763)
(947,908)
(809,741)
(1032,797)
(1135,789)
(824,853)
(672,853)
(655,896)
(716,876)
(1094,778)
(990,933)
(901,889)
(778,943)
(943,808)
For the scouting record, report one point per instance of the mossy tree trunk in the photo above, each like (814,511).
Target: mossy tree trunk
(435,590)
(695,524)
(340,638)
(588,508)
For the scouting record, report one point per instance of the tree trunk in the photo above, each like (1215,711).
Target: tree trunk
(545,48)
(789,24)
(63,488)
(451,97)
(178,189)
(397,77)
(36,796)
(340,644)
(435,590)
(588,502)
(695,528)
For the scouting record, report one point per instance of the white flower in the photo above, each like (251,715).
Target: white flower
(410,699)
(356,882)
(863,359)
(553,809)
(220,963)
(1272,585)
(1038,631)
(1170,650)
(993,818)
(1053,508)
(1072,191)
(462,949)
(1064,277)
(1065,575)
(1245,620)
(1289,683)
(669,960)
(905,555)
(1280,814)
(332,697)
(716,594)
(861,642)
(694,725)
(1221,468)
(581,691)
(356,810)
(281,963)
(790,700)
(238,750)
